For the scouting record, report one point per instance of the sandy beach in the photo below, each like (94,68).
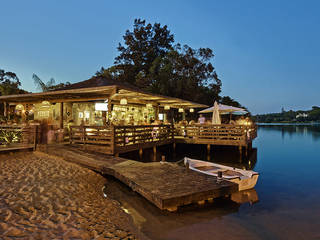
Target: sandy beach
(46,198)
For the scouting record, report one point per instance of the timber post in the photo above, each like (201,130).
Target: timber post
(113,139)
(240,152)
(208,151)
(154,153)
(61,116)
(140,153)
(35,127)
(5,112)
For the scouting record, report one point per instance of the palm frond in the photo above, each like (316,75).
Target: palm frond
(39,83)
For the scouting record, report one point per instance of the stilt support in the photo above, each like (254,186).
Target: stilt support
(210,200)
(208,151)
(154,153)
(172,209)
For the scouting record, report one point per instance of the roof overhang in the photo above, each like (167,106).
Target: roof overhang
(114,92)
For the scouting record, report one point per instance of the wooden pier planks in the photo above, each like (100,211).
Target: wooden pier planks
(166,185)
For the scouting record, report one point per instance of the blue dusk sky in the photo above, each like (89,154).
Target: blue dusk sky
(266,52)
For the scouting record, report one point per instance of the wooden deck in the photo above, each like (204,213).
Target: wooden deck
(166,185)
(120,139)
(16,147)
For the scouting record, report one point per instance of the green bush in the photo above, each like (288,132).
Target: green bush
(7,137)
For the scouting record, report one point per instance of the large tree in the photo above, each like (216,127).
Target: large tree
(186,73)
(9,83)
(150,60)
(141,47)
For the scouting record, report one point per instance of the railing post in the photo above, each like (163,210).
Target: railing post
(124,136)
(172,130)
(35,137)
(70,135)
(84,135)
(113,139)
(134,135)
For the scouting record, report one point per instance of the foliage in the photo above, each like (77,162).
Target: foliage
(229,101)
(7,137)
(49,86)
(290,116)
(150,60)
(9,83)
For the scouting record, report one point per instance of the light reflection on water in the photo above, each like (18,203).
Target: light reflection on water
(288,160)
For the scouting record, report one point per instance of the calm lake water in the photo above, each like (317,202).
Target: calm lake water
(288,160)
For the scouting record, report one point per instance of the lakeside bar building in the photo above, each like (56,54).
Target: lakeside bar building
(105,116)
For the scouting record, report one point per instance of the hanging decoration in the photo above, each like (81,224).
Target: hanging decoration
(123,101)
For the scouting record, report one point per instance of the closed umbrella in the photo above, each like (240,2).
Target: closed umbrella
(215,114)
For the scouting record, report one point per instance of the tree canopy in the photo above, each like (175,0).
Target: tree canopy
(9,83)
(150,60)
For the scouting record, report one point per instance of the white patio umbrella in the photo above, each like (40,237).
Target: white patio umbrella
(215,114)
(223,109)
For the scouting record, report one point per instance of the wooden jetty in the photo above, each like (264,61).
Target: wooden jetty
(166,185)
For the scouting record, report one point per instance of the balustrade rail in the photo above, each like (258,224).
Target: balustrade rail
(131,137)
(18,135)
(224,134)
(99,138)
(117,139)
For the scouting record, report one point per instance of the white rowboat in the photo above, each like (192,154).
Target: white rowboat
(246,179)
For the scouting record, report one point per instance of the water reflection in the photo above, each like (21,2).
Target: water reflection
(156,224)
(288,187)
(292,130)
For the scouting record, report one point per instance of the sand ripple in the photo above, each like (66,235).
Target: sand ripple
(46,198)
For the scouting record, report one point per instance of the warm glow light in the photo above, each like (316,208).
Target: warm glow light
(181,110)
(123,101)
(191,110)
(101,106)
(166,107)
(149,105)
(19,107)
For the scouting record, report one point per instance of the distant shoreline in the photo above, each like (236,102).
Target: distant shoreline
(288,124)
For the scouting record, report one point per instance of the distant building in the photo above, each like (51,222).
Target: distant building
(302,115)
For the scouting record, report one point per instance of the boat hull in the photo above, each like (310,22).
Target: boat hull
(247,181)
(245,184)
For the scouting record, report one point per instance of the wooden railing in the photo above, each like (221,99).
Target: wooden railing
(117,139)
(22,135)
(144,136)
(99,138)
(224,134)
